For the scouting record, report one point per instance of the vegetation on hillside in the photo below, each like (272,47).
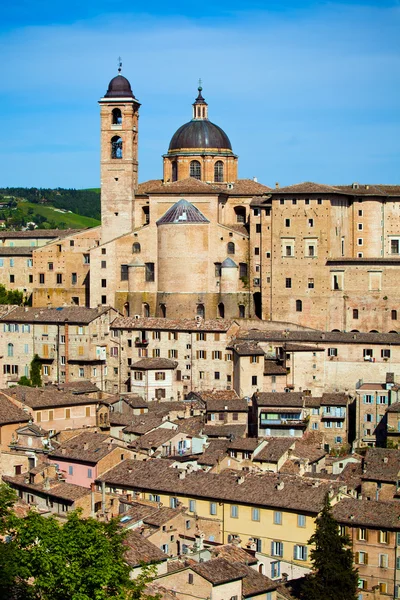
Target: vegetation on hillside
(81,202)
(11,296)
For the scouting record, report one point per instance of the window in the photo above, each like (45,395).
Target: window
(138,376)
(187,524)
(190,578)
(164,548)
(219,171)
(362,534)
(288,282)
(359,242)
(103,264)
(287,222)
(241,311)
(70,470)
(299,306)
(104,251)
(59,278)
(195,169)
(10,349)
(311,222)
(136,248)
(159,376)
(355,313)
(116,147)
(89,473)
(383,587)
(332,351)
(124,273)
(383,561)
(258,227)
(81,372)
(337,281)
(368,353)
(172,353)
(149,270)
(217,269)
(46,370)
(300,552)
(277,548)
(311,249)
(200,310)
(383,537)
(301,520)
(275,569)
(394,246)
(254,380)
(41,277)
(385,353)
(50,266)
(319,200)
(104,300)
(230,248)
(255,514)
(116,116)
(173,502)
(277,517)
(360,226)
(213,508)
(234,511)
(74,278)
(86,259)
(394,315)
(257,251)
(192,505)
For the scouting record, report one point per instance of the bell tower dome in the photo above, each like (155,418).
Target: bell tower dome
(119,115)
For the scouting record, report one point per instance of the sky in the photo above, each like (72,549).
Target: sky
(306,90)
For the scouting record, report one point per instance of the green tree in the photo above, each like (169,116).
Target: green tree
(24,381)
(334,576)
(36,372)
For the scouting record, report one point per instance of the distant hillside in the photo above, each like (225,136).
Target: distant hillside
(81,202)
(44,215)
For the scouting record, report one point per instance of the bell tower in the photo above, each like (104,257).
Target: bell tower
(119,114)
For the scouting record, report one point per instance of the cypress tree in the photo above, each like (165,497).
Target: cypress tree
(334,576)
(35,374)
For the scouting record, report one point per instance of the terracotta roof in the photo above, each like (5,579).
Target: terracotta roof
(32,429)
(282,337)
(246,444)
(87,447)
(9,413)
(307,187)
(248,187)
(150,323)
(382,464)
(192,426)
(255,583)
(217,571)
(72,314)
(394,408)
(46,397)
(38,233)
(368,513)
(290,467)
(163,407)
(78,387)
(247,349)
(16,251)
(382,260)
(132,400)
(116,418)
(293,399)
(274,450)
(65,491)
(141,424)
(271,367)
(227,431)
(295,493)
(207,395)
(302,348)
(334,399)
(233,554)
(140,550)
(154,438)
(308,451)
(183,186)
(151,515)
(213,453)
(220,405)
(372,386)
(151,364)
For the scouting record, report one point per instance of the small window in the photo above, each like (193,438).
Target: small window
(355,313)
(277,517)
(243,270)
(234,511)
(254,380)
(74,278)
(124,273)
(231,248)
(59,278)
(219,171)
(394,315)
(255,514)
(287,222)
(190,578)
(104,264)
(319,200)
(310,283)
(136,248)
(213,508)
(301,520)
(288,282)
(299,306)
(311,222)
(258,227)
(149,271)
(195,169)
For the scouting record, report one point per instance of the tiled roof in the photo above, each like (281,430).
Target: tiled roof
(140,550)
(372,386)
(302,348)
(207,395)
(154,438)
(295,493)
(368,513)
(220,405)
(382,464)
(394,408)
(152,515)
(217,571)
(241,187)
(117,418)
(324,337)
(246,444)
(65,491)
(307,187)
(182,212)
(255,583)
(228,431)
(274,450)
(334,399)
(141,424)
(233,554)
(46,397)
(192,426)
(37,233)
(247,349)
(16,251)
(78,387)
(150,364)
(132,400)
(150,323)
(248,187)
(87,447)
(71,314)
(293,399)
(308,451)
(9,413)
(271,367)
(213,453)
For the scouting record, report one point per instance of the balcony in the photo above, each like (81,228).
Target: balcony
(335,415)
(289,423)
(141,343)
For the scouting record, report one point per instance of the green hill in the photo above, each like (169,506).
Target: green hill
(55,217)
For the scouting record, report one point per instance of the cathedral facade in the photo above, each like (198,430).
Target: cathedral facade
(202,242)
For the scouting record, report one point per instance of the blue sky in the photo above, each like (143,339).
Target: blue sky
(305,90)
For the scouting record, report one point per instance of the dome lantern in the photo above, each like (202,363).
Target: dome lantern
(200,106)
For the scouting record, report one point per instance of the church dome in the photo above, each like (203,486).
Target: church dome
(119,87)
(199,134)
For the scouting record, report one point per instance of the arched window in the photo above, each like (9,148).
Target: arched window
(195,169)
(240,212)
(126,309)
(221,310)
(116,147)
(231,248)
(299,306)
(116,117)
(394,315)
(174,171)
(163,310)
(374,331)
(242,311)
(201,311)
(219,171)
(136,248)
(392,331)
(10,349)
(146,310)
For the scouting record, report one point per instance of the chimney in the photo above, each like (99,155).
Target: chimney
(240,480)
(63,451)
(277,186)
(255,179)
(86,446)
(385,459)
(182,474)
(280,485)
(46,483)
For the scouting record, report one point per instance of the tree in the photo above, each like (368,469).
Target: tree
(36,372)
(333,576)
(24,381)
